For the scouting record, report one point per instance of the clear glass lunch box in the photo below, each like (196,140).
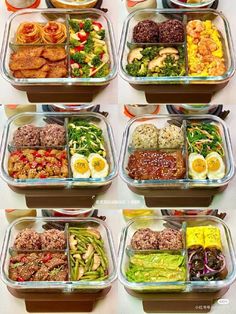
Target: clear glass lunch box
(158,224)
(41,119)
(184,15)
(182,121)
(67,286)
(60,15)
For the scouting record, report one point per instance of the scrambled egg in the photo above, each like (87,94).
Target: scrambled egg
(214,61)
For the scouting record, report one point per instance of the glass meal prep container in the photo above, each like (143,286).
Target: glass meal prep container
(61,118)
(69,4)
(182,121)
(126,251)
(184,15)
(58,15)
(69,285)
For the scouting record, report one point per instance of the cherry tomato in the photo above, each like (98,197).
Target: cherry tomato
(97,24)
(20,279)
(79,48)
(83,36)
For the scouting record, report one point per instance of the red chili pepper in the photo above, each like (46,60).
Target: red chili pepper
(20,279)
(17,152)
(79,48)
(81,25)
(24,259)
(42,176)
(38,155)
(97,24)
(47,258)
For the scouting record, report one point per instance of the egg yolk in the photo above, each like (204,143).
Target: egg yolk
(199,165)
(81,166)
(98,164)
(213,164)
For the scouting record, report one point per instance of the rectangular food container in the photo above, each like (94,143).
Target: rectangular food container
(181,120)
(69,286)
(39,120)
(158,224)
(179,84)
(51,84)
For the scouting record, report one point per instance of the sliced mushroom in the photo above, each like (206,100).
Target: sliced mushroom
(73,242)
(168,51)
(81,272)
(135,54)
(176,57)
(94,232)
(88,252)
(96,262)
(157,62)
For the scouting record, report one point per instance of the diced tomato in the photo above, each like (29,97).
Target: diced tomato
(79,48)
(17,152)
(47,258)
(20,279)
(82,36)
(97,24)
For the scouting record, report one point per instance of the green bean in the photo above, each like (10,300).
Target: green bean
(76,270)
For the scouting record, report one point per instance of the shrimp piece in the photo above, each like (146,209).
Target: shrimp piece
(219,68)
(194,28)
(206,46)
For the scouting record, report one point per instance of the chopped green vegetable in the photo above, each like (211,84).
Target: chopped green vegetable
(85,138)
(103,72)
(204,138)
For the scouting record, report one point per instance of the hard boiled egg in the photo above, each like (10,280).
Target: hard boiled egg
(98,166)
(215,165)
(80,166)
(197,166)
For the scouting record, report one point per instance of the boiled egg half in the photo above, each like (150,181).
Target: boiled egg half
(98,166)
(197,166)
(80,166)
(215,166)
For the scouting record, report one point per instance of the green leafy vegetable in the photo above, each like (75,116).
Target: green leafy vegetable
(85,138)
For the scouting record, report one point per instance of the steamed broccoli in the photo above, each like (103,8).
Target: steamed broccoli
(78,57)
(87,26)
(150,52)
(76,72)
(104,71)
(96,61)
(133,68)
(101,33)
(74,42)
(74,24)
(88,47)
(86,70)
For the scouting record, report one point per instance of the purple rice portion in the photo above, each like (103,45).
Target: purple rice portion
(146,32)
(171,31)
(27,135)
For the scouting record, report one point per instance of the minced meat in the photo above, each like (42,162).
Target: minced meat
(171,31)
(53,135)
(146,32)
(27,135)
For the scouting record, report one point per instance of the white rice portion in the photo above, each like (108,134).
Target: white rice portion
(171,136)
(145,136)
